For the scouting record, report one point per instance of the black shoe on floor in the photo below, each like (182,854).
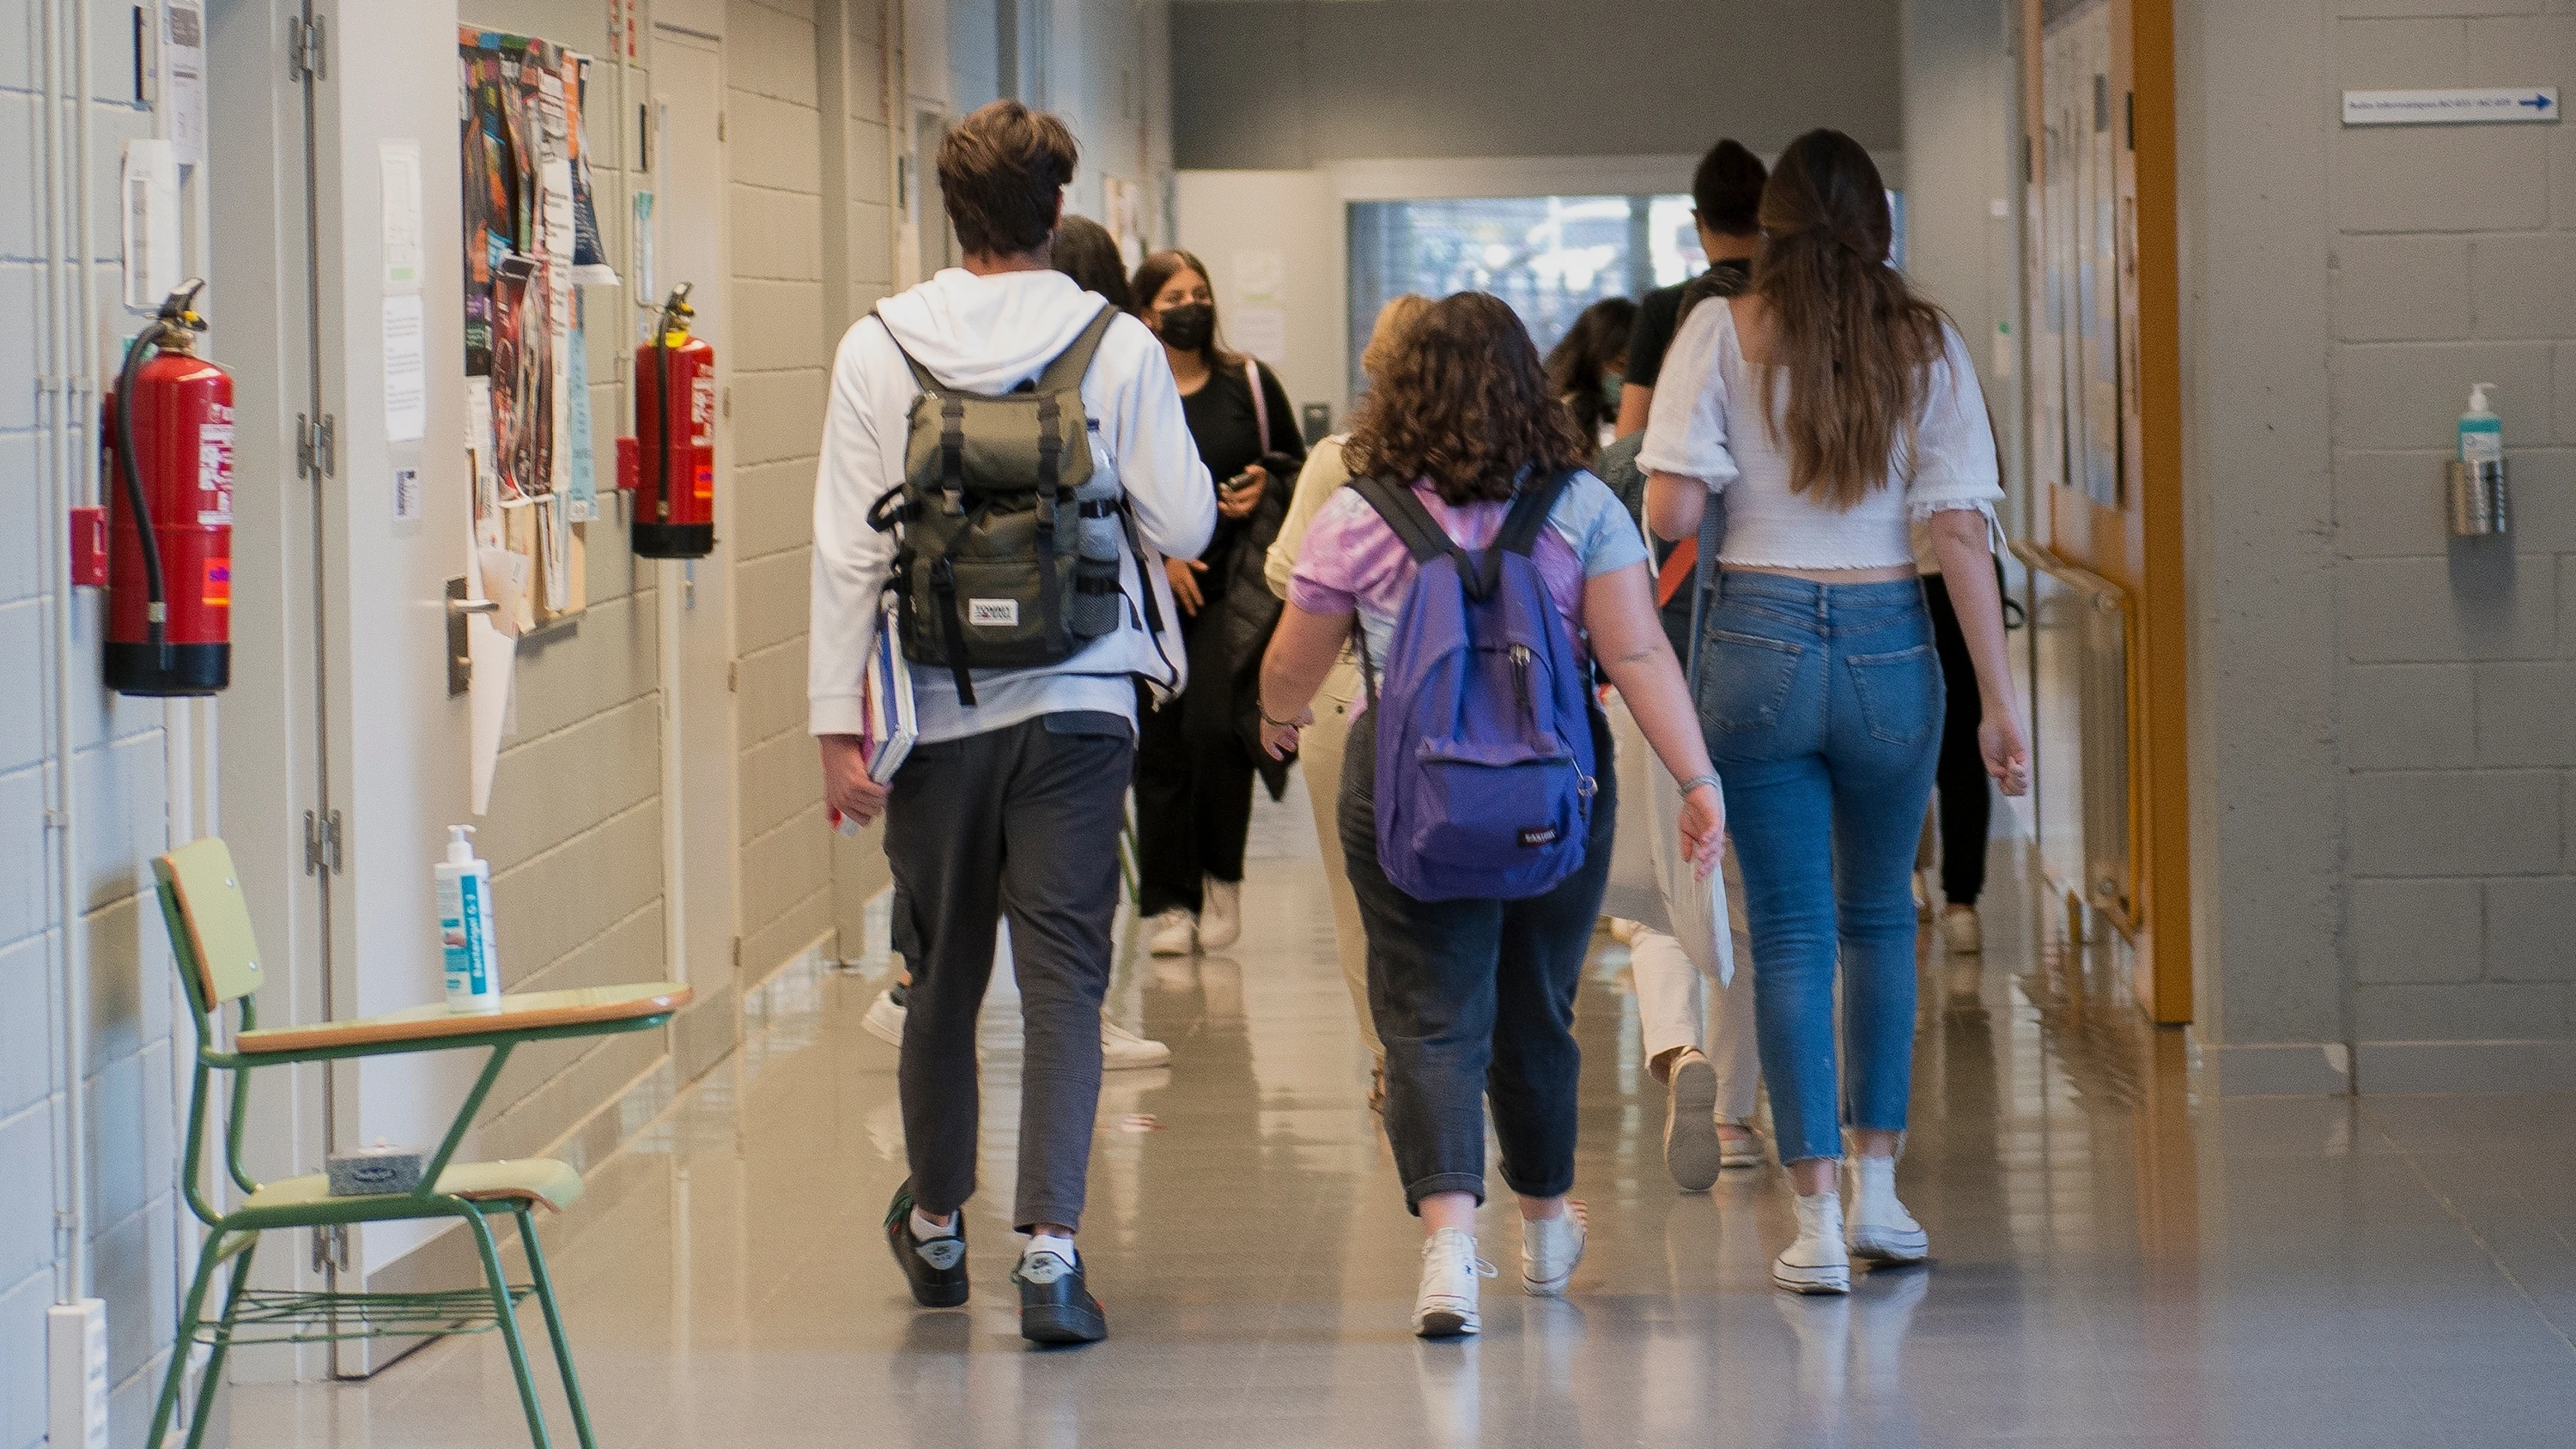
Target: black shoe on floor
(1055,1307)
(937,1268)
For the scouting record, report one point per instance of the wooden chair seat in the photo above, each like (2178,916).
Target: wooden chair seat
(540,1180)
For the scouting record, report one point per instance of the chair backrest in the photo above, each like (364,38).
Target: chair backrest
(201,898)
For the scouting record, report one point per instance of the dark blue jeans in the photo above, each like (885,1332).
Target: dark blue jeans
(1475,1002)
(1822,704)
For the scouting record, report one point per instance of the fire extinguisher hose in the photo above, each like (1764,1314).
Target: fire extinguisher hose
(674,313)
(157,613)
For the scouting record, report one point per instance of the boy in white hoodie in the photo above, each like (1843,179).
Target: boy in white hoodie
(1013,803)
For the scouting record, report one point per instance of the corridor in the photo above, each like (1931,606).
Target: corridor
(2119,1262)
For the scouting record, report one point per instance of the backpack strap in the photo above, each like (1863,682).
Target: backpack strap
(1519,533)
(1071,364)
(1413,524)
(920,374)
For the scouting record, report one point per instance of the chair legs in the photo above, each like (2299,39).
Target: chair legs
(500,1284)
(182,1348)
(545,1286)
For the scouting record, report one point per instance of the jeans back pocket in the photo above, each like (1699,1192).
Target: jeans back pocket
(1900,693)
(1744,679)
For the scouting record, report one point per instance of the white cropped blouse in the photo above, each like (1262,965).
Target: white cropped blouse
(1707,423)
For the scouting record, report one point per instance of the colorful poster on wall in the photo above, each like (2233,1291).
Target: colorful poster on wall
(531,236)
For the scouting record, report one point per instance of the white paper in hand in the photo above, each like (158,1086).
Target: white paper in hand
(1697,907)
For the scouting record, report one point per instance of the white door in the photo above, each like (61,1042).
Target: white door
(697,596)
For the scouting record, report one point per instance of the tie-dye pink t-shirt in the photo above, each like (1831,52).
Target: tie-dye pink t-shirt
(1351,561)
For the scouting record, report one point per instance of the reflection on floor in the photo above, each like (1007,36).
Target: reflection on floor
(2120,1263)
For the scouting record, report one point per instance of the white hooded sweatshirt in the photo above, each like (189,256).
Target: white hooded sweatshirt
(988,335)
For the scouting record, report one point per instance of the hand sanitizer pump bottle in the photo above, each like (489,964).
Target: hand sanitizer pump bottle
(465,926)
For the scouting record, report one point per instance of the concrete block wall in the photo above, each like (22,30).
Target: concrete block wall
(139,1235)
(2455,262)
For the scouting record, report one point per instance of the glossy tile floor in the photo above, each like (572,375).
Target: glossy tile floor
(2120,1263)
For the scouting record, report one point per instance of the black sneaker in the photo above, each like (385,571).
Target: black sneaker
(1055,1307)
(937,1268)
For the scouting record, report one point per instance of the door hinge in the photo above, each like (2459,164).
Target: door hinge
(306,57)
(321,843)
(316,447)
(737,953)
(720,125)
(728,400)
(733,677)
(330,1246)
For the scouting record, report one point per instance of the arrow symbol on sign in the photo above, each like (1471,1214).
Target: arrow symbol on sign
(2537,103)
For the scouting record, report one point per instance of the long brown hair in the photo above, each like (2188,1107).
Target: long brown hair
(1855,342)
(1158,269)
(1463,403)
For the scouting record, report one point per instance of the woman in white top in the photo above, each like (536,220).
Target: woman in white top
(1832,406)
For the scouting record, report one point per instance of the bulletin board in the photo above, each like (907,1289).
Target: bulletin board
(531,242)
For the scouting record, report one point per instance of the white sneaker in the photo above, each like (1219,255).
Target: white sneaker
(1550,1250)
(1220,913)
(1881,1229)
(1121,1049)
(1817,1262)
(1744,1151)
(1623,930)
(1176,933)
(1445,1307)
(884,1020)
(1964,933)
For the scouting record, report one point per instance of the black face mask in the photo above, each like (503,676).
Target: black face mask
(1188,326)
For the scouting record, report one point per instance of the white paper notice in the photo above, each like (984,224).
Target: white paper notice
(151,206)
(183,70)
(398,162)
(406,370)
(1259,275)
(1261,331)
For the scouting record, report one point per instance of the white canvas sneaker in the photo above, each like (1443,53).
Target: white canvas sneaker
(1551,1248)
(884,1020)
(1445,1306)
(1121,1049)
(1817,1262)
(1882,1231)
(1220,913)
(1176,933)
(1962,932)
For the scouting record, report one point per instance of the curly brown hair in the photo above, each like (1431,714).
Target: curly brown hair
(1463,404)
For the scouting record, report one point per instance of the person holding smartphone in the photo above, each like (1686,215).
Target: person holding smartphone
(1196,758)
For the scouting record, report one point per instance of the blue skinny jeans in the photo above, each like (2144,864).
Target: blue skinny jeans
(1822,704)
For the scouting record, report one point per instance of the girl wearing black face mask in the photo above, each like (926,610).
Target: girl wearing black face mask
(1195,761)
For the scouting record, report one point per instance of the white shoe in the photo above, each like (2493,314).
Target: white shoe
(1220,913)
(1881,1229)
(1692,1152)
(1445,1306)
(1176,933)
(1121,1049)
(1550,1250)
(884,1020)
(1964,933)
(1744,1151)
(1817,1262)
(1623,930)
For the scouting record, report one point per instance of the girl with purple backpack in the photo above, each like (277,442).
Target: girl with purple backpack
(1484,572)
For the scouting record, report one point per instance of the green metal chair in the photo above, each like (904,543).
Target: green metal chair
(210,932)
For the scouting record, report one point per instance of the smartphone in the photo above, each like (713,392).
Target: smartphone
(1238,482)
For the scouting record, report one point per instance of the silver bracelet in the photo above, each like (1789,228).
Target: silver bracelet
(1695,781)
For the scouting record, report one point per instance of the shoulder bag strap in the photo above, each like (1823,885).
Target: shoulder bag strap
(1260,404)
(1712,533)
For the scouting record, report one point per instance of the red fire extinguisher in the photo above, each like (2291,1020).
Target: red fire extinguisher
(675,431)
(169,432)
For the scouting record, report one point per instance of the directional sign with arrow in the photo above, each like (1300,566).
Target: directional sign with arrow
(2502,104)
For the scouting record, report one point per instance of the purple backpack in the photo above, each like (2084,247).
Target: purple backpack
(1484,736)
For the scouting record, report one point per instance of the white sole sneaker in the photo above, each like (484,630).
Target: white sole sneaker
(1882,1231)
(1962,932)
(1176,933)
(1220,914)
(1892,1247)
(1692,1152)
(1817,1262)
(884,1020)
(1445,1305)
(1551,1249)
(1123,1050)
(1739,1152)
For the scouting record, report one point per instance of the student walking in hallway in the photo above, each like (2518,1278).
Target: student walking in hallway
(1830,405)
(1461,446)
(1196,759)
(1012,800)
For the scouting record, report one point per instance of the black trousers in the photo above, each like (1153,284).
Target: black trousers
(1193,808)
(1966,794)
(1475,1002)
(1023,822)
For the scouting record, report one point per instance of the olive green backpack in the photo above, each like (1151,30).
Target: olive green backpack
(1007,546)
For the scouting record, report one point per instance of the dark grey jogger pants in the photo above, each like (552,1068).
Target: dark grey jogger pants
(1023,821)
